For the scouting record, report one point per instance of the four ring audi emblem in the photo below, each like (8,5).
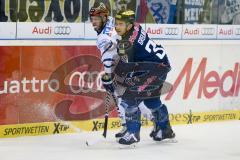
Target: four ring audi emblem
(171,31)
(62,30)
(208,31)
(237,31)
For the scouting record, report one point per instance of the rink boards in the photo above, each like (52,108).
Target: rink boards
(62,127)
(34,81)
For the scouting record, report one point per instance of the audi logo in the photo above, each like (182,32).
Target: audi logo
(237,31)
(171,31)
(86,82)
(62,30)
(207,31)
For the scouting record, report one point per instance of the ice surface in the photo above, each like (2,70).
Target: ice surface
(212,141)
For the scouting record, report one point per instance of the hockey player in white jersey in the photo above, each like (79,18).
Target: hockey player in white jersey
(107,39)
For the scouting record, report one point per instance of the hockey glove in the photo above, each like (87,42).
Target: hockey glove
(107,83)
(123,47)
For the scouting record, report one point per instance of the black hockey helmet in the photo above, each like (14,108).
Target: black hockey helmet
(128,16)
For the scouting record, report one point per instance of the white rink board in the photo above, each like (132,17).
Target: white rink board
(164,31)
(220,58)
(71,31)
(7,30)
(199,32)
(228,32)
(29,30)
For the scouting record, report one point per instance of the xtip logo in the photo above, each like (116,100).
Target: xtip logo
(97,125)
(187,118)
(60,128)
(191,118)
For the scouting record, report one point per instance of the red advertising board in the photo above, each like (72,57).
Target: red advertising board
(39,84)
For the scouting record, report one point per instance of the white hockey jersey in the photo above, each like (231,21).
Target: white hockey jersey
(107,44)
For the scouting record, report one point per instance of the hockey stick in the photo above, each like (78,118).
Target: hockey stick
(107,105)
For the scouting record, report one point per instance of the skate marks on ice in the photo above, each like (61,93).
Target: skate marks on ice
(96,141)
(198,142)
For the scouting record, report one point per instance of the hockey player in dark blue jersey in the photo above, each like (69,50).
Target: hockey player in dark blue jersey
(142,49)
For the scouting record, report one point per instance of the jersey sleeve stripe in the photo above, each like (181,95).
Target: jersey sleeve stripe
(108,59)
(110,45)
(108,66)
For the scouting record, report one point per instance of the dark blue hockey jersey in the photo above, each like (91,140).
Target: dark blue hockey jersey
(143,49)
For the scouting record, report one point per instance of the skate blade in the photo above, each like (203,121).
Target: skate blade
(131,146)
(172,140)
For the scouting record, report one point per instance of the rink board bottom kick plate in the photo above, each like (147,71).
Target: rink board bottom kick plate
(62,127)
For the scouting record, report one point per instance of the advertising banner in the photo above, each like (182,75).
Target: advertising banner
(28,30)
(205,76)
(62,83)
(37,82)
(164,31)
(199,32)
(228,32)
(85,31)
